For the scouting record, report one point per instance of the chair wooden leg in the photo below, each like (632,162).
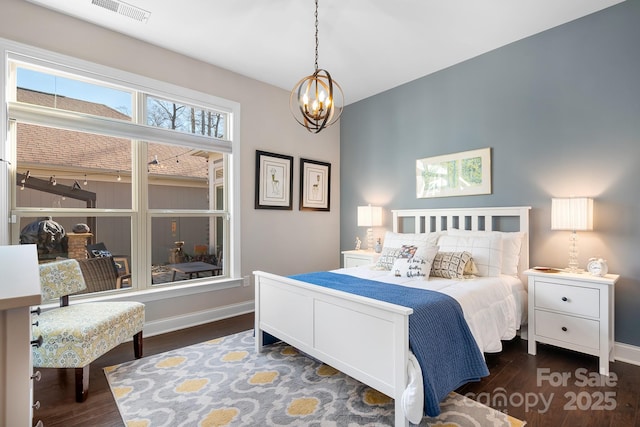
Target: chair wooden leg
(137,345)
(82,383)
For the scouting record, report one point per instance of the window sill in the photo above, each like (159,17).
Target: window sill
(157,293)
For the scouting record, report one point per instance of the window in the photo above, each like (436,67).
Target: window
(142,175)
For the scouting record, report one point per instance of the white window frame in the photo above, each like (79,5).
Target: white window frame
(13,51)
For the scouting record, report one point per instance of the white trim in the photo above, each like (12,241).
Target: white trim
(158,293)
(32,55)
(117,78)
(197,318)
(71,120)
(626,353)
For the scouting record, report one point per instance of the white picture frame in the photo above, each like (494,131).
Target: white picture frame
(459,174)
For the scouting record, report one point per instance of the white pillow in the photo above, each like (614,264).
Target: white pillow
(485,250)
(397,240)
(416,267)
(511,245)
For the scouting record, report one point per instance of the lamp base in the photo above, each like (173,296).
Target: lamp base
(574,266)
(370,239)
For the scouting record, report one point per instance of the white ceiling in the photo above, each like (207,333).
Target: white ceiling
(368,46)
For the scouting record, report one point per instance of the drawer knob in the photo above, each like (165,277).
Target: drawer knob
(36,311)
(564,329)
(565,299)
(37,342)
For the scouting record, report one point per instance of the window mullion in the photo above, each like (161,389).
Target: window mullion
(71,120)
(141,234)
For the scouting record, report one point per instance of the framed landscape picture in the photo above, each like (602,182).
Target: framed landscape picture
(315,182)
(274,176)
(459,174)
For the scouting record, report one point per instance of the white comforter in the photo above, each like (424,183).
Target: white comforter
(492,306)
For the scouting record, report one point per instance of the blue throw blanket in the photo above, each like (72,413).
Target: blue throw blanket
(438,333)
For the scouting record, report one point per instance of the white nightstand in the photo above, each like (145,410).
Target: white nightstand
(573,311)
(360,257)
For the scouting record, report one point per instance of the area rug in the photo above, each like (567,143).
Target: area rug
(224,382)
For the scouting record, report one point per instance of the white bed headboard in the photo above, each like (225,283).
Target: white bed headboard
(475,219)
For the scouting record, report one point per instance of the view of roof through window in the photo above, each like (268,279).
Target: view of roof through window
(118,100)
(162,113)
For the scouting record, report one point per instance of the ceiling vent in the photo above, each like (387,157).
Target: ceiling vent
(123,9)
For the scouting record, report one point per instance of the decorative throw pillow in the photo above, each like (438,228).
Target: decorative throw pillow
(411,268)
(450,265)
(387,258)
(416,267)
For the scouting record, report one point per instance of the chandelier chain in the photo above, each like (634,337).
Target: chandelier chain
(316,15)
(317,100)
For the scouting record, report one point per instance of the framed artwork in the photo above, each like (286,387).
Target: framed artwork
(459,174)
(274,176)
(315,183)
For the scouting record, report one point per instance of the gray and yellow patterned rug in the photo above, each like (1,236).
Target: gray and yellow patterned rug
(223,382)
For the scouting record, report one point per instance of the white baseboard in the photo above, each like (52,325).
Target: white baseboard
(170,324)
(627,353)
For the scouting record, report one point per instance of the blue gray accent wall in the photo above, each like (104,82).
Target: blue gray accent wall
(561,113)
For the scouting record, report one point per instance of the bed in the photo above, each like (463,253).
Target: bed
(367,338)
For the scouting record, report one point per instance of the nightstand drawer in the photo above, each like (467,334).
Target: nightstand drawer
(575,330)
(568,299)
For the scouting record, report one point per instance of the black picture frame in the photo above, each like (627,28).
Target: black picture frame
(315,185)
(274,179)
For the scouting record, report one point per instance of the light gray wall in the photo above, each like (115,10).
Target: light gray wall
(561,112)
(282,242)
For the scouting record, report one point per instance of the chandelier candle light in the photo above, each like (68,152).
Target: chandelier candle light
(573,214)
(369,216)
(317,100)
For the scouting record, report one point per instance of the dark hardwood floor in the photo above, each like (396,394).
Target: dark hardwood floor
(532,386)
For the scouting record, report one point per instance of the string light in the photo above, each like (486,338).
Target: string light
(119,178)
(85,179)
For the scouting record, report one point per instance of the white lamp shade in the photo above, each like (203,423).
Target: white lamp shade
(369,216)
(574,213)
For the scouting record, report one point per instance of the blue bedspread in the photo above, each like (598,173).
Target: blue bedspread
(438,333)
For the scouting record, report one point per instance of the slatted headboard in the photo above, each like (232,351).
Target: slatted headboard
(475,219)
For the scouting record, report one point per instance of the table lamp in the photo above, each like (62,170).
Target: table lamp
(573,214)
(369,216)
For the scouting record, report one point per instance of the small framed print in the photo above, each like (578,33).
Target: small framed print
(315,185)
(274,176)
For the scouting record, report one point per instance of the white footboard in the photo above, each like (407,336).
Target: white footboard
(364,338)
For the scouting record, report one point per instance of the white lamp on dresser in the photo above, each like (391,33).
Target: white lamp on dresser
(369,216)
(573,214)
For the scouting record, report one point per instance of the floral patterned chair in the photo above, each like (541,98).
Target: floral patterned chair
(75,335)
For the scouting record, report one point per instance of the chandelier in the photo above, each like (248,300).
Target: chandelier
(317,100)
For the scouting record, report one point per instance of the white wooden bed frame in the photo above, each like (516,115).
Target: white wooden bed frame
(362,337)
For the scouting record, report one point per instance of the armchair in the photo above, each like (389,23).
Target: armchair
(100,274)
(75,335)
